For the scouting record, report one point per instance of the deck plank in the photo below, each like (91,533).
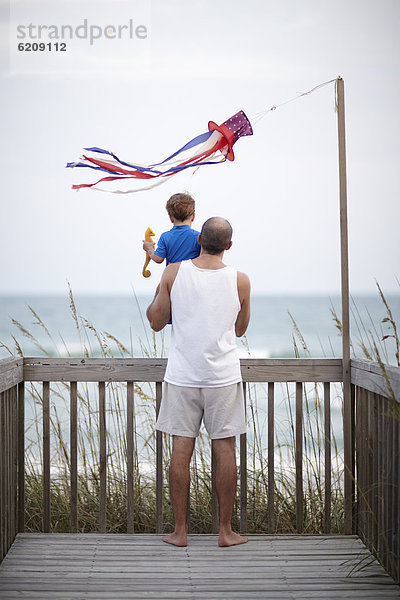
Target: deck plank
(107,566)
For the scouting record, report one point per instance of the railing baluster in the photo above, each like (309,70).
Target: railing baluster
(103,458)
(375,473)
(363,462)
(327,457)
(387,482)
(14,441)
(380,477)
(2,479)
(243,474)
(46,457)
(21,456)
(159,466)
(353,456)
(389,505)
(129,457)
(396,502)
(73,436)
(370,468)
(7,423)
(271,459)
(358,459)
(299,458)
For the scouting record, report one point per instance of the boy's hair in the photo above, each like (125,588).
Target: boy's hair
(180,206)
(216,234)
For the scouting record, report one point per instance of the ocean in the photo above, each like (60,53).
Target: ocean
(271,331)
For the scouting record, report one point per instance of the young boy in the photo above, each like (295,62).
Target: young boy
(180,242)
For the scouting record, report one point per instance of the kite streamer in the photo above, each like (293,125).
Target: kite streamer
(212,147)
(215,146)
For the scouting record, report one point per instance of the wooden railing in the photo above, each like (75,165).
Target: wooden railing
(370,482)
(377,435)
(11,452)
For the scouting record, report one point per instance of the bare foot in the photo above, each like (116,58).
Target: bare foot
(175,539)
(231,539)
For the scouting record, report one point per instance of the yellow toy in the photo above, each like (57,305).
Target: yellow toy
(148,236)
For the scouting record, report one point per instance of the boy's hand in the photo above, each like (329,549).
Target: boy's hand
(148,246)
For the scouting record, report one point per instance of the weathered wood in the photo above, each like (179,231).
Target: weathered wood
(382,476)
(344,262)
(389,487)
(375,474)
(362,478)
(243,475)
(7,469)
(9,363)
(299,458)
(11,373)
(369,462)
(371,376)
(94,369)
(3,544)
(123,566)
(353,454)
(159,466)
(152,370)
(46,456)
(21,456)
(327,457)
(267,370)
(73,436)
(271,460)
(396,501)
(14,442)
(130,415)
(103,458)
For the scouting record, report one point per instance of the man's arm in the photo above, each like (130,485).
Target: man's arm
(149,247)
(243,318)
(159,311)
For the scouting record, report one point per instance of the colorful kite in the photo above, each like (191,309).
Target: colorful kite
(212,147)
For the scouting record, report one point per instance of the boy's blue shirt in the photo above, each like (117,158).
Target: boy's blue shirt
(179,243)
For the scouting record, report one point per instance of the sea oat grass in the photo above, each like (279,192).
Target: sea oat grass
(373,343)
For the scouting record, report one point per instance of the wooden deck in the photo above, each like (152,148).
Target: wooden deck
(99,566)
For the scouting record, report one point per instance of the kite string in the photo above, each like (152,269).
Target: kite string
(258,116)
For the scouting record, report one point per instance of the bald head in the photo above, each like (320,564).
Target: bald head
(216,234)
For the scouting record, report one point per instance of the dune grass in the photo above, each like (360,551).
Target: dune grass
(371,342)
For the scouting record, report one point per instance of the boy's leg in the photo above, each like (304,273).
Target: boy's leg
(179,477)
(226,482)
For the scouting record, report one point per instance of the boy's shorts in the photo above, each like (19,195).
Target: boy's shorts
(183,408)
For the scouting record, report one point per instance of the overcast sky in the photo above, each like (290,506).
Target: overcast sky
(144,98)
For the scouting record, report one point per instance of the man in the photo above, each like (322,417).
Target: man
(209,303)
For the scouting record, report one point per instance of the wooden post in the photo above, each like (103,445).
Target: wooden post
(73,437)
(46,457)
(159,465)
(130,449)
(103,458)
(344,253)
(21,456)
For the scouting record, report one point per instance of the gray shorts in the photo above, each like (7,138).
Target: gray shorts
(183,408)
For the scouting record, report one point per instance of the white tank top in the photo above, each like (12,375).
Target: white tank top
(204,305)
